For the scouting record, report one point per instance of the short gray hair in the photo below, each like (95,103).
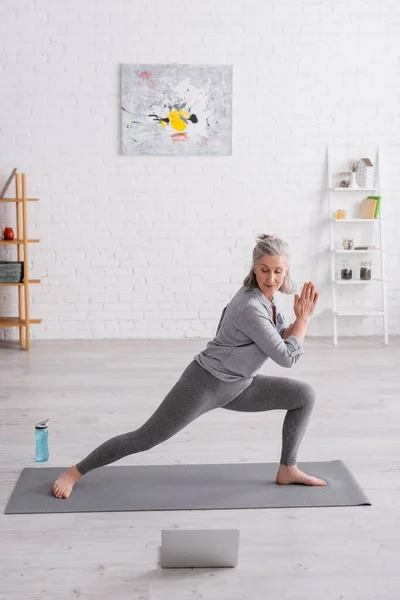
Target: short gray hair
(272,245)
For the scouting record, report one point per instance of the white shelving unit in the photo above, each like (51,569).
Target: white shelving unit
(351,195)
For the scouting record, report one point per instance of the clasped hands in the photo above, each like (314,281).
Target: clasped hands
(304,305)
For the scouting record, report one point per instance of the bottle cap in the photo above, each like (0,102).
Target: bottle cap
(42,424)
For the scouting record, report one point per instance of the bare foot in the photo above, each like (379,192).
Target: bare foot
(287,475)
(62,487)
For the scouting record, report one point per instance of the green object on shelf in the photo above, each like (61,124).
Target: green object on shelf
(378,206)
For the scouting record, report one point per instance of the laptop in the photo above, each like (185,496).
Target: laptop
(197,548)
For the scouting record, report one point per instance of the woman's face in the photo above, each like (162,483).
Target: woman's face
(270,273)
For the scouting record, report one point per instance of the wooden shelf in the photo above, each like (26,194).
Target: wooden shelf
(30,281)
(19,200)
(21,244)
(16,322)
(18,241)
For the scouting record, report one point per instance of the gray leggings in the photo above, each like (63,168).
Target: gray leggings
(197,392)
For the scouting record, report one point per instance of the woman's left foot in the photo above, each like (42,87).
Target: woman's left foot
(62,487)
(287,475)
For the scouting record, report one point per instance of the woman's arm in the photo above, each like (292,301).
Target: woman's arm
(259,327)
(287,332)
(255,322)
(298,329)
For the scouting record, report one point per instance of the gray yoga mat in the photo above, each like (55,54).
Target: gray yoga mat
(184,487)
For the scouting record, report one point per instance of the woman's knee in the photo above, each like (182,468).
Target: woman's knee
(308,394)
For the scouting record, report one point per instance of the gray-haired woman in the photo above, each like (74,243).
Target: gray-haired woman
(224,374)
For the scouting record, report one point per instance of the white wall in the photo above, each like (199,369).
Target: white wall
(150,247)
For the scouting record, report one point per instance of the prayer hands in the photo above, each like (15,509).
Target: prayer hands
(304,305)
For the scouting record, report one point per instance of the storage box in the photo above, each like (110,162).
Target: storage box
(11,271)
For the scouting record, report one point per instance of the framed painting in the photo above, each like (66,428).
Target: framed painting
(176,109)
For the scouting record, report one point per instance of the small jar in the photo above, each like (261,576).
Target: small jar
(365,270)
(348,243)
(345,271)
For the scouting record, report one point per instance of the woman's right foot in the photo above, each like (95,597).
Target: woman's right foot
(292,474)
(62,487)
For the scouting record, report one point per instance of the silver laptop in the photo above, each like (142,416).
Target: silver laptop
(210,548)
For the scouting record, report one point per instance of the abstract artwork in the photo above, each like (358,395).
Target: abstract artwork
(176,109)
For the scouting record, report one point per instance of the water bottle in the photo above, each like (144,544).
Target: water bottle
(41,433)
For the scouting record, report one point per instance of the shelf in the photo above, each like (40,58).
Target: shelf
(371,248)
(16,322)
(30,281)
(375,250)
(360,313)
(343,189)
(357,281)
(19,199)
(18,241)
(356,220)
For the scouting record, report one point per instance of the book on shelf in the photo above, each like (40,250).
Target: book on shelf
(368,208)
(378,206)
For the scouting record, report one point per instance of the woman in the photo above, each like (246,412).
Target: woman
(250,331)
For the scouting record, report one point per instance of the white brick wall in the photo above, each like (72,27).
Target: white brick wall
(149,247)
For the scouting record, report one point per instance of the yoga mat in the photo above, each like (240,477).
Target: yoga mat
(184,487)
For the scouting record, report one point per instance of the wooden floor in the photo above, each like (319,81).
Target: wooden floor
(93,390)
